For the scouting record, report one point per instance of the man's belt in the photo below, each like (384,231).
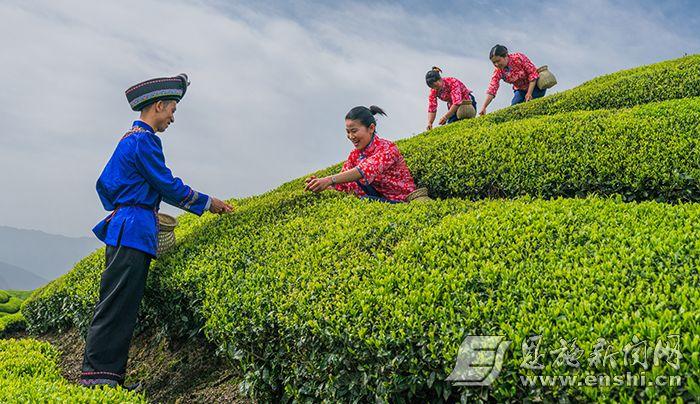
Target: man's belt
(138,205)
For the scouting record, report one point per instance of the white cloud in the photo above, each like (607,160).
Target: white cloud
(269,88)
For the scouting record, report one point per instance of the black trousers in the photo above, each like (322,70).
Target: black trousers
(109,336)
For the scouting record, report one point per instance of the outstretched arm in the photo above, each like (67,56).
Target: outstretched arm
(432,108)
(150,162)
(431,120)
(532,76)
(487,101)
(320,184)
(492,90)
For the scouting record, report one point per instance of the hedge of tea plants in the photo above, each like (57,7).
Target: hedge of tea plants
(10,317)
(329,297)
(11,323)
(647,152)
(672,79)
(326,297)
(29,372)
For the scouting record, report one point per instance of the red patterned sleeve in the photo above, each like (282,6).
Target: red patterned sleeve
(348,186)
(529,68)
(456,92)
(377,163)
(432,101)
(495,82)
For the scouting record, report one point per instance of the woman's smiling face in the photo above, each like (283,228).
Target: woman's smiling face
(358,134)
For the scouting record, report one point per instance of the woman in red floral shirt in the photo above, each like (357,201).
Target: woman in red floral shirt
(375,169)
(458,97)
(516,69)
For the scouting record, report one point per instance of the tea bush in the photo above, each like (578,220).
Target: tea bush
(329,297)
(326,297)
(11,306)
(10,318)
(646,152)
(649,152)
(29,372)
(11,323)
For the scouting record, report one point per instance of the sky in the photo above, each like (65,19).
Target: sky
(271,81)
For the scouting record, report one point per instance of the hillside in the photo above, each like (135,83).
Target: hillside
(47,256)
(14,277)
(574,216)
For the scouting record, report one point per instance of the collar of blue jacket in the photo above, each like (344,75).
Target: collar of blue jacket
(144,125)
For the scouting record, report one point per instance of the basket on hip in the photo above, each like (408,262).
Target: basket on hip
(420,195)
(166,233)
(466,111)
(546,79)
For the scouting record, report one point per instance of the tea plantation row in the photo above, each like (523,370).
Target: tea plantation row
(10,317)
(332,297)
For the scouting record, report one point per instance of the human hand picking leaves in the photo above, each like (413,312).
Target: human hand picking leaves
(219,207)
(315,184)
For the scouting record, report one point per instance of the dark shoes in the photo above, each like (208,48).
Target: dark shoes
(135,387)
(92,383)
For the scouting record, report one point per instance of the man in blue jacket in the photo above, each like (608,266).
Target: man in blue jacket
(132,185)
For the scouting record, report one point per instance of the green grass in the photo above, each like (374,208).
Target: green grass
(326,297)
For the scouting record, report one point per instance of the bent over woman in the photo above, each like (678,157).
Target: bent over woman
(460,101)
(516,69)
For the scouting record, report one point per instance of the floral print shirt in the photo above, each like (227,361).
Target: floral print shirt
(453,91)
(381,164)
(519,72)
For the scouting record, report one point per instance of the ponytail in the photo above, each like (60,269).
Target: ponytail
(365,115)
(498,50)
(376,110)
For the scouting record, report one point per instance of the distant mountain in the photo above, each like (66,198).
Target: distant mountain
(47,256)
(15,278)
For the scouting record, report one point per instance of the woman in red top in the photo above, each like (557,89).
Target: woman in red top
(459,98)
(375,169)
(516,69)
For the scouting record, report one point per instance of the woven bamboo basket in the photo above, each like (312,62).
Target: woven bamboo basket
(546,79)
(419,195)
(166,233)
(466,111)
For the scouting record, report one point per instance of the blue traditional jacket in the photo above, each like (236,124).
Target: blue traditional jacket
(132,185)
